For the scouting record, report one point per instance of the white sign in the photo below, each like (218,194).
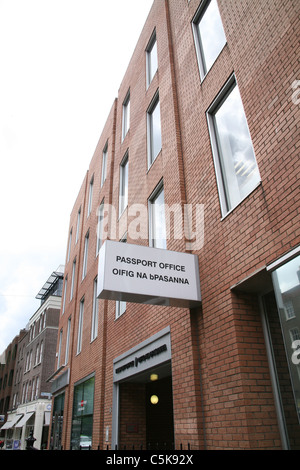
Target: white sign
(141,274)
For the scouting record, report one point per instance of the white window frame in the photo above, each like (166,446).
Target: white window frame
(65,295)
(90,201)
(100,227)
(151,203)
(59,348)
(78,225)
(73,278)
(121,304)
(104,164)
(68,341)
(150,112)
(126,116)
(85,254)
(94,325)
(80,326)
(203,69)
(217,103)
(150,71)
(123,190)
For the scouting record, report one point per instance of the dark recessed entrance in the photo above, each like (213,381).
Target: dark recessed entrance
(159,414)
(146,410)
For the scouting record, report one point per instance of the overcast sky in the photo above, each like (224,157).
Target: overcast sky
(61,64)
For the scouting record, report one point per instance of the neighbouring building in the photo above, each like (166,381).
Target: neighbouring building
(28,405)
(199,156)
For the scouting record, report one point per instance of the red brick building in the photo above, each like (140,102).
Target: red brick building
(205,126)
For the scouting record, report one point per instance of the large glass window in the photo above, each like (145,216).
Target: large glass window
(154,130)
(151,62)
(157,222)
(90,202)
(209,35)
(73,279)
(104,164)
(126,116)
(235,162)
(123,195)
(100,227)
(80,326)
(78,225)
(85,254)
(286,280)
(94,329)
(82,419)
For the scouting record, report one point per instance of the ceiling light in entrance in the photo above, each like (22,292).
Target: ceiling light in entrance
(153,377)
(154,399)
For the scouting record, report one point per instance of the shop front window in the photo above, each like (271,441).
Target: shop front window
(286,280)
(82,420)
(282,313)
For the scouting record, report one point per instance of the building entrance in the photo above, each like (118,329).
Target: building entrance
(146,410)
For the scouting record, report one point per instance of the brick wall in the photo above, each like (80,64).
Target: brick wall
(222,395)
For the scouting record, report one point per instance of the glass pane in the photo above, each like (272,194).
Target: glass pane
(239,167)
(124,186)
(158,222)
(286,281)
(82,420)
(212,35)
(155,132)
(152,61)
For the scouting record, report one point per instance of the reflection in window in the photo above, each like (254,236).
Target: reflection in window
(123,194)
(286,280)
(235,162)
(151,59)
(126,116)
(157,220)
(154,131)
(209,36)
(82,419)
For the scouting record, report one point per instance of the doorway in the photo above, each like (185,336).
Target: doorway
(146,410)
(159,414)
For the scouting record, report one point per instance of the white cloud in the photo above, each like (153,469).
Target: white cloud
(62,62)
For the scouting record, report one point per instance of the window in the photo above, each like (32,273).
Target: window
(104,165)
(73,279)
(121,304)
(100,227)
(157,222)
(37,354)
(59,348)
(151,59)
(123,194)
(235,163)
(69,246)
(126,116)
(68,341)
(65,292)
(78,225)
(154,130)
(80,325)
(85,254)
(41,351)
(94,329)
(209,35)
(82,417)
(90,196)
